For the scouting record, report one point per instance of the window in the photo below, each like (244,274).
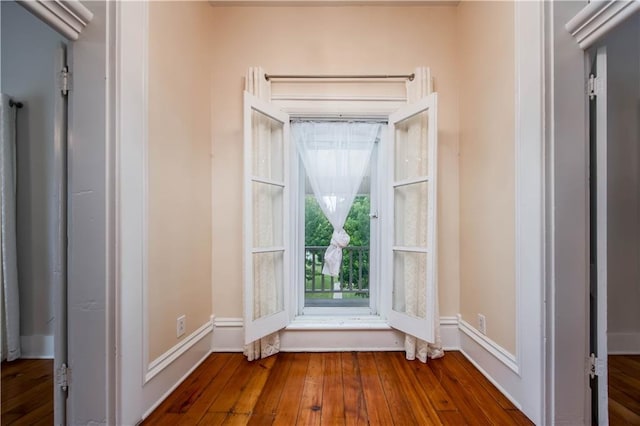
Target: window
(401,241)
(352,288)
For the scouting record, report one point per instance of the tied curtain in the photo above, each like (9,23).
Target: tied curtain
(9,297)
(336,156)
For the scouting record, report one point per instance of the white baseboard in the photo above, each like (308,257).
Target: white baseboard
(185,361)
(341,340)
(163,361)
(494,362)
(36,347)
(504,356)
(228,336)
(624,343)
(449,333)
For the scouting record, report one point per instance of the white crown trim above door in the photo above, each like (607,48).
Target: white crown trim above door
(598,18)
(68,17)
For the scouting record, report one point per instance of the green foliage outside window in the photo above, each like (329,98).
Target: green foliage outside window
(318,232)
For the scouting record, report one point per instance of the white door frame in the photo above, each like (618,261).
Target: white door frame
(90,245)
(587,27)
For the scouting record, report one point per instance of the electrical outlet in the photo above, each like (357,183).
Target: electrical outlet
(181,325)
(482,324)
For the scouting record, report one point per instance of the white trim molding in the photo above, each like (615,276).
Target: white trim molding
(328,336)
(68,17)
(158,389)
(163,361)
(331,3)
(449,333)
(501,354)
(228,335)
(529,209)
(500,376)
(38,346)
(625,343)
(598,18)
(131,145)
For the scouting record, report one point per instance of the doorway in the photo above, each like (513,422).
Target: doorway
(33,60)
(352,291)
(615,226)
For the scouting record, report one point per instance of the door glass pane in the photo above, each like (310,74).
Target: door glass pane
(411,148)
(410,283)
(410,212)
(267,215)
(268,157)
(268,284)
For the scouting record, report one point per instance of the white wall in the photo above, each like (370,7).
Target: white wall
(29,53)
(623,186)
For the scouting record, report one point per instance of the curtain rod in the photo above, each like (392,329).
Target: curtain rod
(15,104)
(268,77)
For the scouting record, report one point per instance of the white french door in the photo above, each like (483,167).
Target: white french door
(267,243)
(410,241)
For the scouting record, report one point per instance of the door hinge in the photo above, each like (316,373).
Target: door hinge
(63,374)
(596,366)
(65,80)
(594,87)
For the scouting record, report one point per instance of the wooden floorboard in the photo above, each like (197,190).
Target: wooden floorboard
(377,406)
(395,391)
(624,389)
(422,408)
(363,388)
(27,392)
(289,404)
(355,410)
(431,384)
(309,412)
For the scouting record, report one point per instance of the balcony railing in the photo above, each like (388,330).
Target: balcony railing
(350,288)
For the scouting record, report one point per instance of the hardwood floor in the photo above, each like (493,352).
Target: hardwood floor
(624,389)
(27,392)
(377,388)
(348,388)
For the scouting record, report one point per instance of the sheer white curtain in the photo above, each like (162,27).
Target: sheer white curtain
(9,271)
(336,156)
(414,216)
(267,219)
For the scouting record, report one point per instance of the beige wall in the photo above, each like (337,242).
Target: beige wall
(487,182)
(369,39)
(179,279)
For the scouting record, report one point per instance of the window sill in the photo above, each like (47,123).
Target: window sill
(364,322)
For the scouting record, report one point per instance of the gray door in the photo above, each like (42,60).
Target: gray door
(59,240)
(598,236)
